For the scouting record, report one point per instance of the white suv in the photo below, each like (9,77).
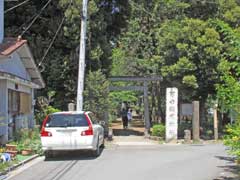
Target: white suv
(71,131)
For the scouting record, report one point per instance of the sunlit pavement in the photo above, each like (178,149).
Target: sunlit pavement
(139,162)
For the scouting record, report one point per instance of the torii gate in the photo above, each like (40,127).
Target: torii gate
(143,88)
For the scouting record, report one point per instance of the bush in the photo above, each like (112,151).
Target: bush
(28,139)
(41,114)
(158,130)
(232,139)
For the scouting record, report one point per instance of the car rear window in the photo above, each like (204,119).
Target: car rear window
(67,120)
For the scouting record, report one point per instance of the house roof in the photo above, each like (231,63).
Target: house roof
(11,45)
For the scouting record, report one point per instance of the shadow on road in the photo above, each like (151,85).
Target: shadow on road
(72,156)
(127,132)
(231,170)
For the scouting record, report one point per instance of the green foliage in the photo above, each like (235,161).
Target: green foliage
(115,100)
(118,97)
(60,67)
(158,130)
(28,139)
(232,139)
(96,93)
(228,92)
(41,114)
(6,165)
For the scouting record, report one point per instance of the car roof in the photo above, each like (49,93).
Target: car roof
(71,112)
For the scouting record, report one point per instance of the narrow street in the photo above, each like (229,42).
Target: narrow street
(153,162)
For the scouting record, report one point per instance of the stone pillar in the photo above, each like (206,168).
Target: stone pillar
(146,110)
(187,136)
(71,107)
(215,119)
(195,122)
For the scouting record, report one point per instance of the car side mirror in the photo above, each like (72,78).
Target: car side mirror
(102,123)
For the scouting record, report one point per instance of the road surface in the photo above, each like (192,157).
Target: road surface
(156,162)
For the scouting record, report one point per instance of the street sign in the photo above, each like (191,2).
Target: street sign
(171,114)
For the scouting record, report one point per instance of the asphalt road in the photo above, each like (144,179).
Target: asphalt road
(161,162)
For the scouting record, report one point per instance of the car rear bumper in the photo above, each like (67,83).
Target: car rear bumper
(83,143)
(66,148)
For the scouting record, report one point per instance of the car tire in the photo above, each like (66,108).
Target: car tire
(103,143)
(96,152)
(48,154)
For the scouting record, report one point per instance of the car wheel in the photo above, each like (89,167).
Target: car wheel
(48,154)
(96,152)
(103,143)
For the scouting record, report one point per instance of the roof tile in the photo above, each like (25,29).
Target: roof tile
(10,45)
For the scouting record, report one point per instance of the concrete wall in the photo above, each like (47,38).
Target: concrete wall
(3,112)
(14,65)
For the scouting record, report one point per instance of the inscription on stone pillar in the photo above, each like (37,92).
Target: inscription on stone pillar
(171,114)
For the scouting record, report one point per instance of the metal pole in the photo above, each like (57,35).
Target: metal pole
(82,51)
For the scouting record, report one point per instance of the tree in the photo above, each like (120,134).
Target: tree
(106,19)
(96,94)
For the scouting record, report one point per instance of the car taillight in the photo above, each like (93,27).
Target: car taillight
(45,133)
(89,131)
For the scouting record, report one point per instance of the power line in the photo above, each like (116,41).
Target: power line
(12,8)
(36,17)
(50,45)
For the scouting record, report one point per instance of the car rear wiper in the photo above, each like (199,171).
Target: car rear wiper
(64,126)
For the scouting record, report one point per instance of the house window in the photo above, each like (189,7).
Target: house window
(25,103)
(13,102)
(19,103)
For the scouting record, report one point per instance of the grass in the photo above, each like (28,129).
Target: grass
(4,166)
(22,158)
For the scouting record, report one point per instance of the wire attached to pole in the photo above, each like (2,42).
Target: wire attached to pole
(50,45)
(36,17)
(14,7)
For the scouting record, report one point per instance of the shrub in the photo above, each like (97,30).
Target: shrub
(158,130)
(28,139)
(232,139)
(41,114)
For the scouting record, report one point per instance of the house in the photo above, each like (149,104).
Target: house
(19,77)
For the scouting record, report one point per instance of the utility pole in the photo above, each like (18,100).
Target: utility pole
(82,52)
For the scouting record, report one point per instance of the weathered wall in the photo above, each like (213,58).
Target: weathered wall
(14,65)
(3,111)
